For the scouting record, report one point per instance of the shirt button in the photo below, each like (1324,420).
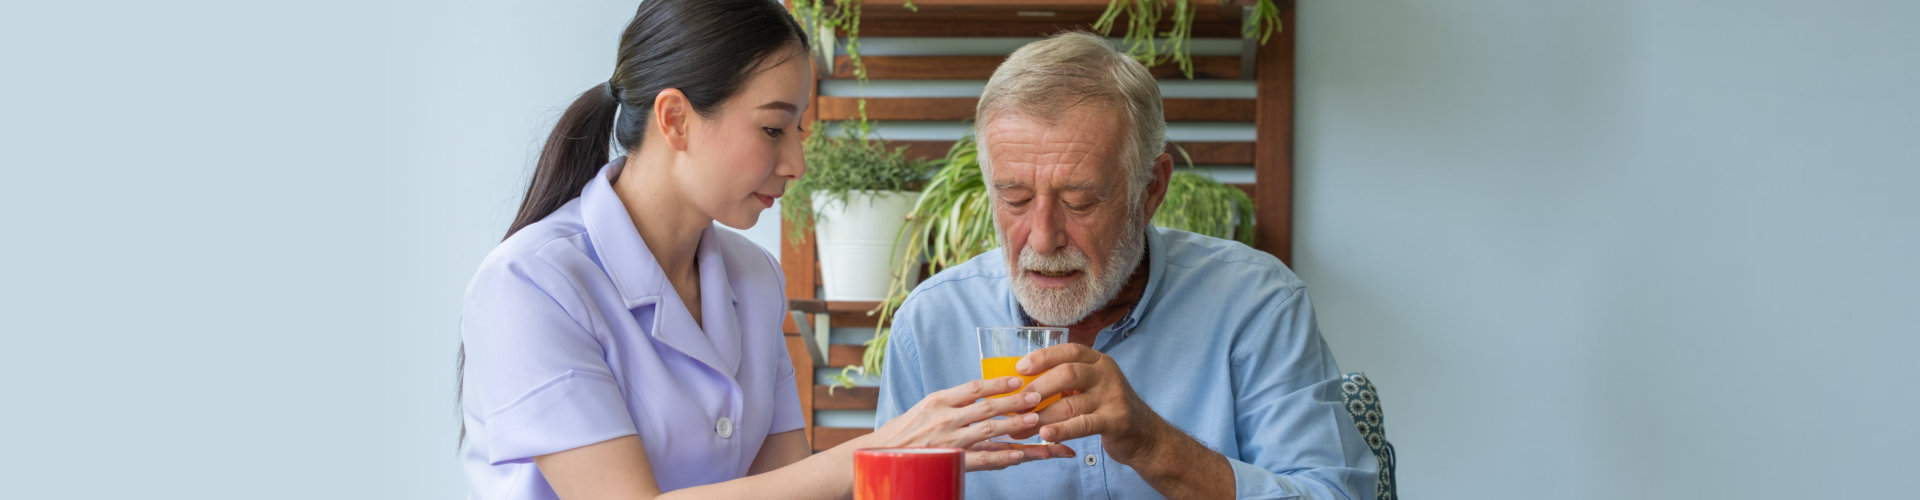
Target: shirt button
(724,428)
(1092,460)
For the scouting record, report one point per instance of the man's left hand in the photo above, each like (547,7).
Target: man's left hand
(1096,399)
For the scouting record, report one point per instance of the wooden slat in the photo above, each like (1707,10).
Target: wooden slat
(1208,110)
(832,306)
(797,351)
(840,313)
(961,108)
(853,320)
(1252,193)
(1203,153)
(842,398)
(1002,27)
(981,67)
(825,438)
(797,261)
(932,150)
(1273,160)
(839,355)
(1215,153)
(841,320)
(1018,18)
(918,108)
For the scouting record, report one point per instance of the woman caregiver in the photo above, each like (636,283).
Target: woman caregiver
(617,344)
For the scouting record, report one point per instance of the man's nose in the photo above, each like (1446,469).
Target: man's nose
(1048,231)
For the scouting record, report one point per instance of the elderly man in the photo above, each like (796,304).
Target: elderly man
(1194,368)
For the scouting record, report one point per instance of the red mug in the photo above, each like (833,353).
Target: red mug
(909,473)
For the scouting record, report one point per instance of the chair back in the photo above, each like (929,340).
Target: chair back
(1363,402)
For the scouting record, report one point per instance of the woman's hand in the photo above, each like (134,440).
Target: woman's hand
(991,455)
(957,417)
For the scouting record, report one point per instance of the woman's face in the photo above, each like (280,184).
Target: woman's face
(744,155)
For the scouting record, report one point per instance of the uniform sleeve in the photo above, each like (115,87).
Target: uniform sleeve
(786,404)
(536,377)
(1296,440)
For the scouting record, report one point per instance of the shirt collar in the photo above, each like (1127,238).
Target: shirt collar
(635,272)
(641,280)
(1156,262)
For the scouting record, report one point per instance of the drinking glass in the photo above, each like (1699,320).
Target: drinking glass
(1003,346)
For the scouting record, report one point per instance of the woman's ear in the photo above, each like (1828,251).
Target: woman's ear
(673,116)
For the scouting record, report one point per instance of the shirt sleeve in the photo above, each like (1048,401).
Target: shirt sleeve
(901,383)
(786,404)
(536,377)
(1296,439)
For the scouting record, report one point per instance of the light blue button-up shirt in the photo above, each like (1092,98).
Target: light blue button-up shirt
(1222,344)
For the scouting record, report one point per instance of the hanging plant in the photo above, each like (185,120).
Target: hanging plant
(1151,48)
(824,19)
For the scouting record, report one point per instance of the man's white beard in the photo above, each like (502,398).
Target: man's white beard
(1085,295)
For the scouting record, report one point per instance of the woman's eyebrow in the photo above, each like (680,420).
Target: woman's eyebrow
(781,105)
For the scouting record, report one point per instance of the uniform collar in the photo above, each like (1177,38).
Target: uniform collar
(635,273)
(641,281)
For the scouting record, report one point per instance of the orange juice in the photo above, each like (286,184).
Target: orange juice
(992,368)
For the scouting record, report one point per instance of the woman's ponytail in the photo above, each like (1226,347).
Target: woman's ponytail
(576,150)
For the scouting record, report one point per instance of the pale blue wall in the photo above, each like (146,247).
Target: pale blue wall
(1629,249)
(1591,250)
(238,233)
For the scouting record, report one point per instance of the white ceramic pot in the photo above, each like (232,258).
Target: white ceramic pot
(856,241)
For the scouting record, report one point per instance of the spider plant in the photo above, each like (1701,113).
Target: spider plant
(1199,204)
(1151,48)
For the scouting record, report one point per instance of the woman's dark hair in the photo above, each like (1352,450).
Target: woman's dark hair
(707,49)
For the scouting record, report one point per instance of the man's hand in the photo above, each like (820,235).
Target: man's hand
(1097,400)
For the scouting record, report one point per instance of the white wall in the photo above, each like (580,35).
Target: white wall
(1591,250)
(1632,249)
(238,233)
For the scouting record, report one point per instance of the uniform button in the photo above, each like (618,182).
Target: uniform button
(1092,460)
(724,428)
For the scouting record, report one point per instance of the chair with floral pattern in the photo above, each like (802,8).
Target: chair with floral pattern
(1364,404)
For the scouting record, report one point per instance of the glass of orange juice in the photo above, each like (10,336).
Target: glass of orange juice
(1003,346)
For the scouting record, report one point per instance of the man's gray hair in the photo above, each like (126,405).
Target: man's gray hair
(1044,79)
